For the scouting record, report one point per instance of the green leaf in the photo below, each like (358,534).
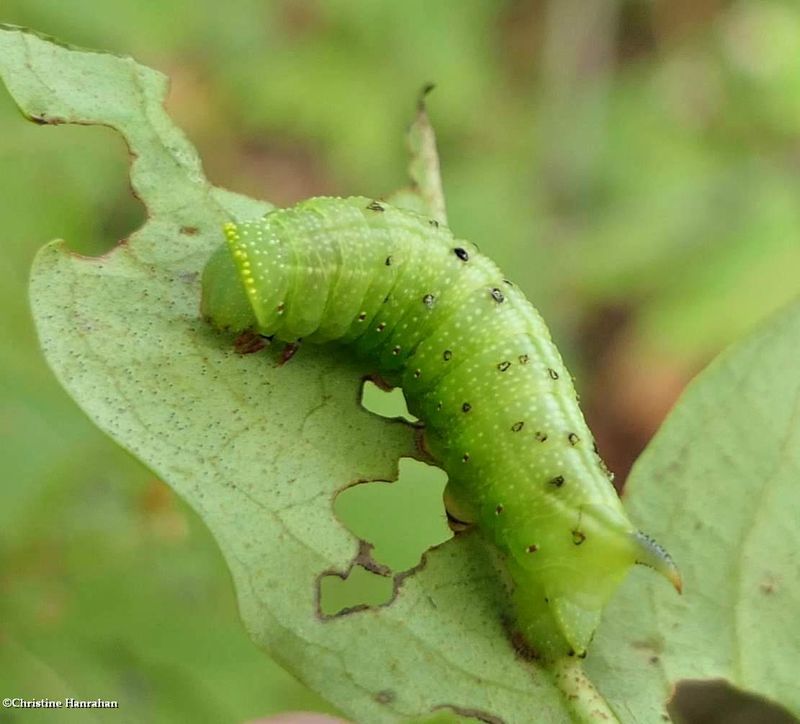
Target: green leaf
(425,195)
(258,450)
(719,486)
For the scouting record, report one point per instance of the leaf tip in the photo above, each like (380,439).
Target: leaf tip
(423,94)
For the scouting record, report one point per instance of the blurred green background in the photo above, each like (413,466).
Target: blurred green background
(634,166)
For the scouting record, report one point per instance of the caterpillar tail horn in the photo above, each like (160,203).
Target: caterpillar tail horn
(649,553)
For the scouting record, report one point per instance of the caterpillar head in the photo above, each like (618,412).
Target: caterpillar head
(224,302)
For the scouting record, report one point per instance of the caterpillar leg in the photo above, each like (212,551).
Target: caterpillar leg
(380,382)
(422,446)
(249,342)
(457,526)
(288,352)
(458,516)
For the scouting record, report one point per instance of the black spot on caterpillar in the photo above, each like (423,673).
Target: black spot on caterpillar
(275,278)
(578,537)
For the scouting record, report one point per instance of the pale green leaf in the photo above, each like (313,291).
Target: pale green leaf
(720,486)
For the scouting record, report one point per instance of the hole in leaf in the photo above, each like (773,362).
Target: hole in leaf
(717,702)
(66,181)
(359,588)
(391,403)
(401,519)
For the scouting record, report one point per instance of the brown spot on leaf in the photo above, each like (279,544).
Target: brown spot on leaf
(476,714)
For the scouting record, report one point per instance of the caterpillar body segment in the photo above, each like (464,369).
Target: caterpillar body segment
(478,367)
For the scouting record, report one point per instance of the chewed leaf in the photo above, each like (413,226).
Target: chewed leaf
(258,450)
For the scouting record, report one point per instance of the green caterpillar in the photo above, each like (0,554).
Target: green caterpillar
(477,366)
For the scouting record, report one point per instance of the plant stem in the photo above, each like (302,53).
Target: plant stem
(585,704)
